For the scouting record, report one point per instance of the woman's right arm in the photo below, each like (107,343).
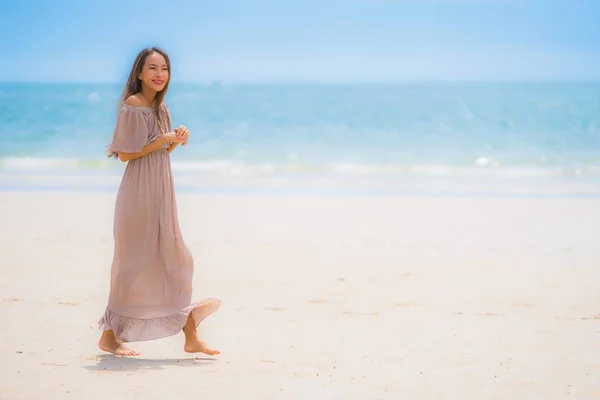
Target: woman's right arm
(149,148)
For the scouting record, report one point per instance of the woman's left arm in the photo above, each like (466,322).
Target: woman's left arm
(172,146)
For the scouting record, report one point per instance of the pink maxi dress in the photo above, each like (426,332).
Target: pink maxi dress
(152,268)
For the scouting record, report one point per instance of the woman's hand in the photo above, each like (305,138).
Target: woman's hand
(182,134)
(170,137)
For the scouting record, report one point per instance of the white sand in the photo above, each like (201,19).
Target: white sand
(323,298)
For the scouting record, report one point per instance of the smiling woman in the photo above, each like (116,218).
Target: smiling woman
(151,71)
(152,269)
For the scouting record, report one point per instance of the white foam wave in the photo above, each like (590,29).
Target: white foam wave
(44,163)
(481,167)
(486,162)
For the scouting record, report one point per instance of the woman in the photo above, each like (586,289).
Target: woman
(152,269)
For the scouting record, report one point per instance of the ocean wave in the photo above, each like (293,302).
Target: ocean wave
(480,167)
(44,163)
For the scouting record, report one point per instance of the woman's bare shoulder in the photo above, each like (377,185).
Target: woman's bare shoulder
(134,101)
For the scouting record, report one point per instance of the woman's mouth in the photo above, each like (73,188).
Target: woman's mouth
(158,82)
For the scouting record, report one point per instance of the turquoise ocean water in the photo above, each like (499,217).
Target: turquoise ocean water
(525,139)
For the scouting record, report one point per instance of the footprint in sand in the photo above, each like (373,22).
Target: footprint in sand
(68,303)
(10,300)
(521,305)
(275,308)
(321,301)
(370,314)
(54,365)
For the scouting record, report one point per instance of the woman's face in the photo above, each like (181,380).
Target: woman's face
(155,73)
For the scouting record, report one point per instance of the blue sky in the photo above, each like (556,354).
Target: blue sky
(308,40)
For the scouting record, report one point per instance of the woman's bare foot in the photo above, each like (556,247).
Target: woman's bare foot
(192,343)
(195,345)
(109,343)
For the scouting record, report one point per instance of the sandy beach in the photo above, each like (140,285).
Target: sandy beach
(331,297)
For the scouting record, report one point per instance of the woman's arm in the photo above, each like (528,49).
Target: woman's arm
(172,146)
(149,148)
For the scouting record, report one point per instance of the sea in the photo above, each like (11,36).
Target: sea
(416,139)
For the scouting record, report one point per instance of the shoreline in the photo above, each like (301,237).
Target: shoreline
(318,185)
(274,192)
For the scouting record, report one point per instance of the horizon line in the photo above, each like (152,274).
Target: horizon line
(319,82)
